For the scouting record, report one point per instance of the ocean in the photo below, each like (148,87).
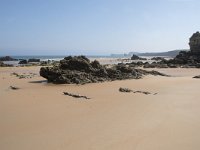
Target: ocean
(58,58)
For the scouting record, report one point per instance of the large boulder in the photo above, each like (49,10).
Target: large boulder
(77,69)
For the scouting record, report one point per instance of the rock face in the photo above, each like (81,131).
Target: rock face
(186,59)
(195,43)
(80,70)
(7,58)
(192,57)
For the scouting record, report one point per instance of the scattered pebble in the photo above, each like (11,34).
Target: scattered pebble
(14,88)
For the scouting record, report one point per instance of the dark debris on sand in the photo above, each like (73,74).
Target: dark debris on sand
(75,95)
(14,88)
(197,77)
(127,90)
(24,76)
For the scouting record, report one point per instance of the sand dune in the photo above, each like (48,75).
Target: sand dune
(39,116)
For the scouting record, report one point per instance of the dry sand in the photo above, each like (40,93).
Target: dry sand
(39,117)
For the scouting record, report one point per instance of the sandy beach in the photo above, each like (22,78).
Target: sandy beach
(39,116)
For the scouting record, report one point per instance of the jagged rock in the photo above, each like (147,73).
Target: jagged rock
(185,59)
(125,90)
(135,57)
(23,62)
(192,57)
(7,58)
(79,70)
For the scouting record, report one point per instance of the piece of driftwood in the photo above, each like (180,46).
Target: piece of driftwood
(75,95)
(14,88)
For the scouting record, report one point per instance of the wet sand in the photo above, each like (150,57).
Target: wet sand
(39,116)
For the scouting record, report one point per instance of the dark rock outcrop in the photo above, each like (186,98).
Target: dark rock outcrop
(197,77)
(127,90)
(185,59)
(79,70)
(7,58)
(158,58)
(23,61)
(33,60)
(75,95)
(135,57)
(189,58)
(5,65)
(195,43)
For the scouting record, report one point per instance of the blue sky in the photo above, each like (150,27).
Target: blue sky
(62,27)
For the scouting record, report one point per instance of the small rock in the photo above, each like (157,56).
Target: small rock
(197,77)
(14,88)
(125,90)
(75,95)
(23,61)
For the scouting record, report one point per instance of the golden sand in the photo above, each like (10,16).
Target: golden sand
(39,116)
